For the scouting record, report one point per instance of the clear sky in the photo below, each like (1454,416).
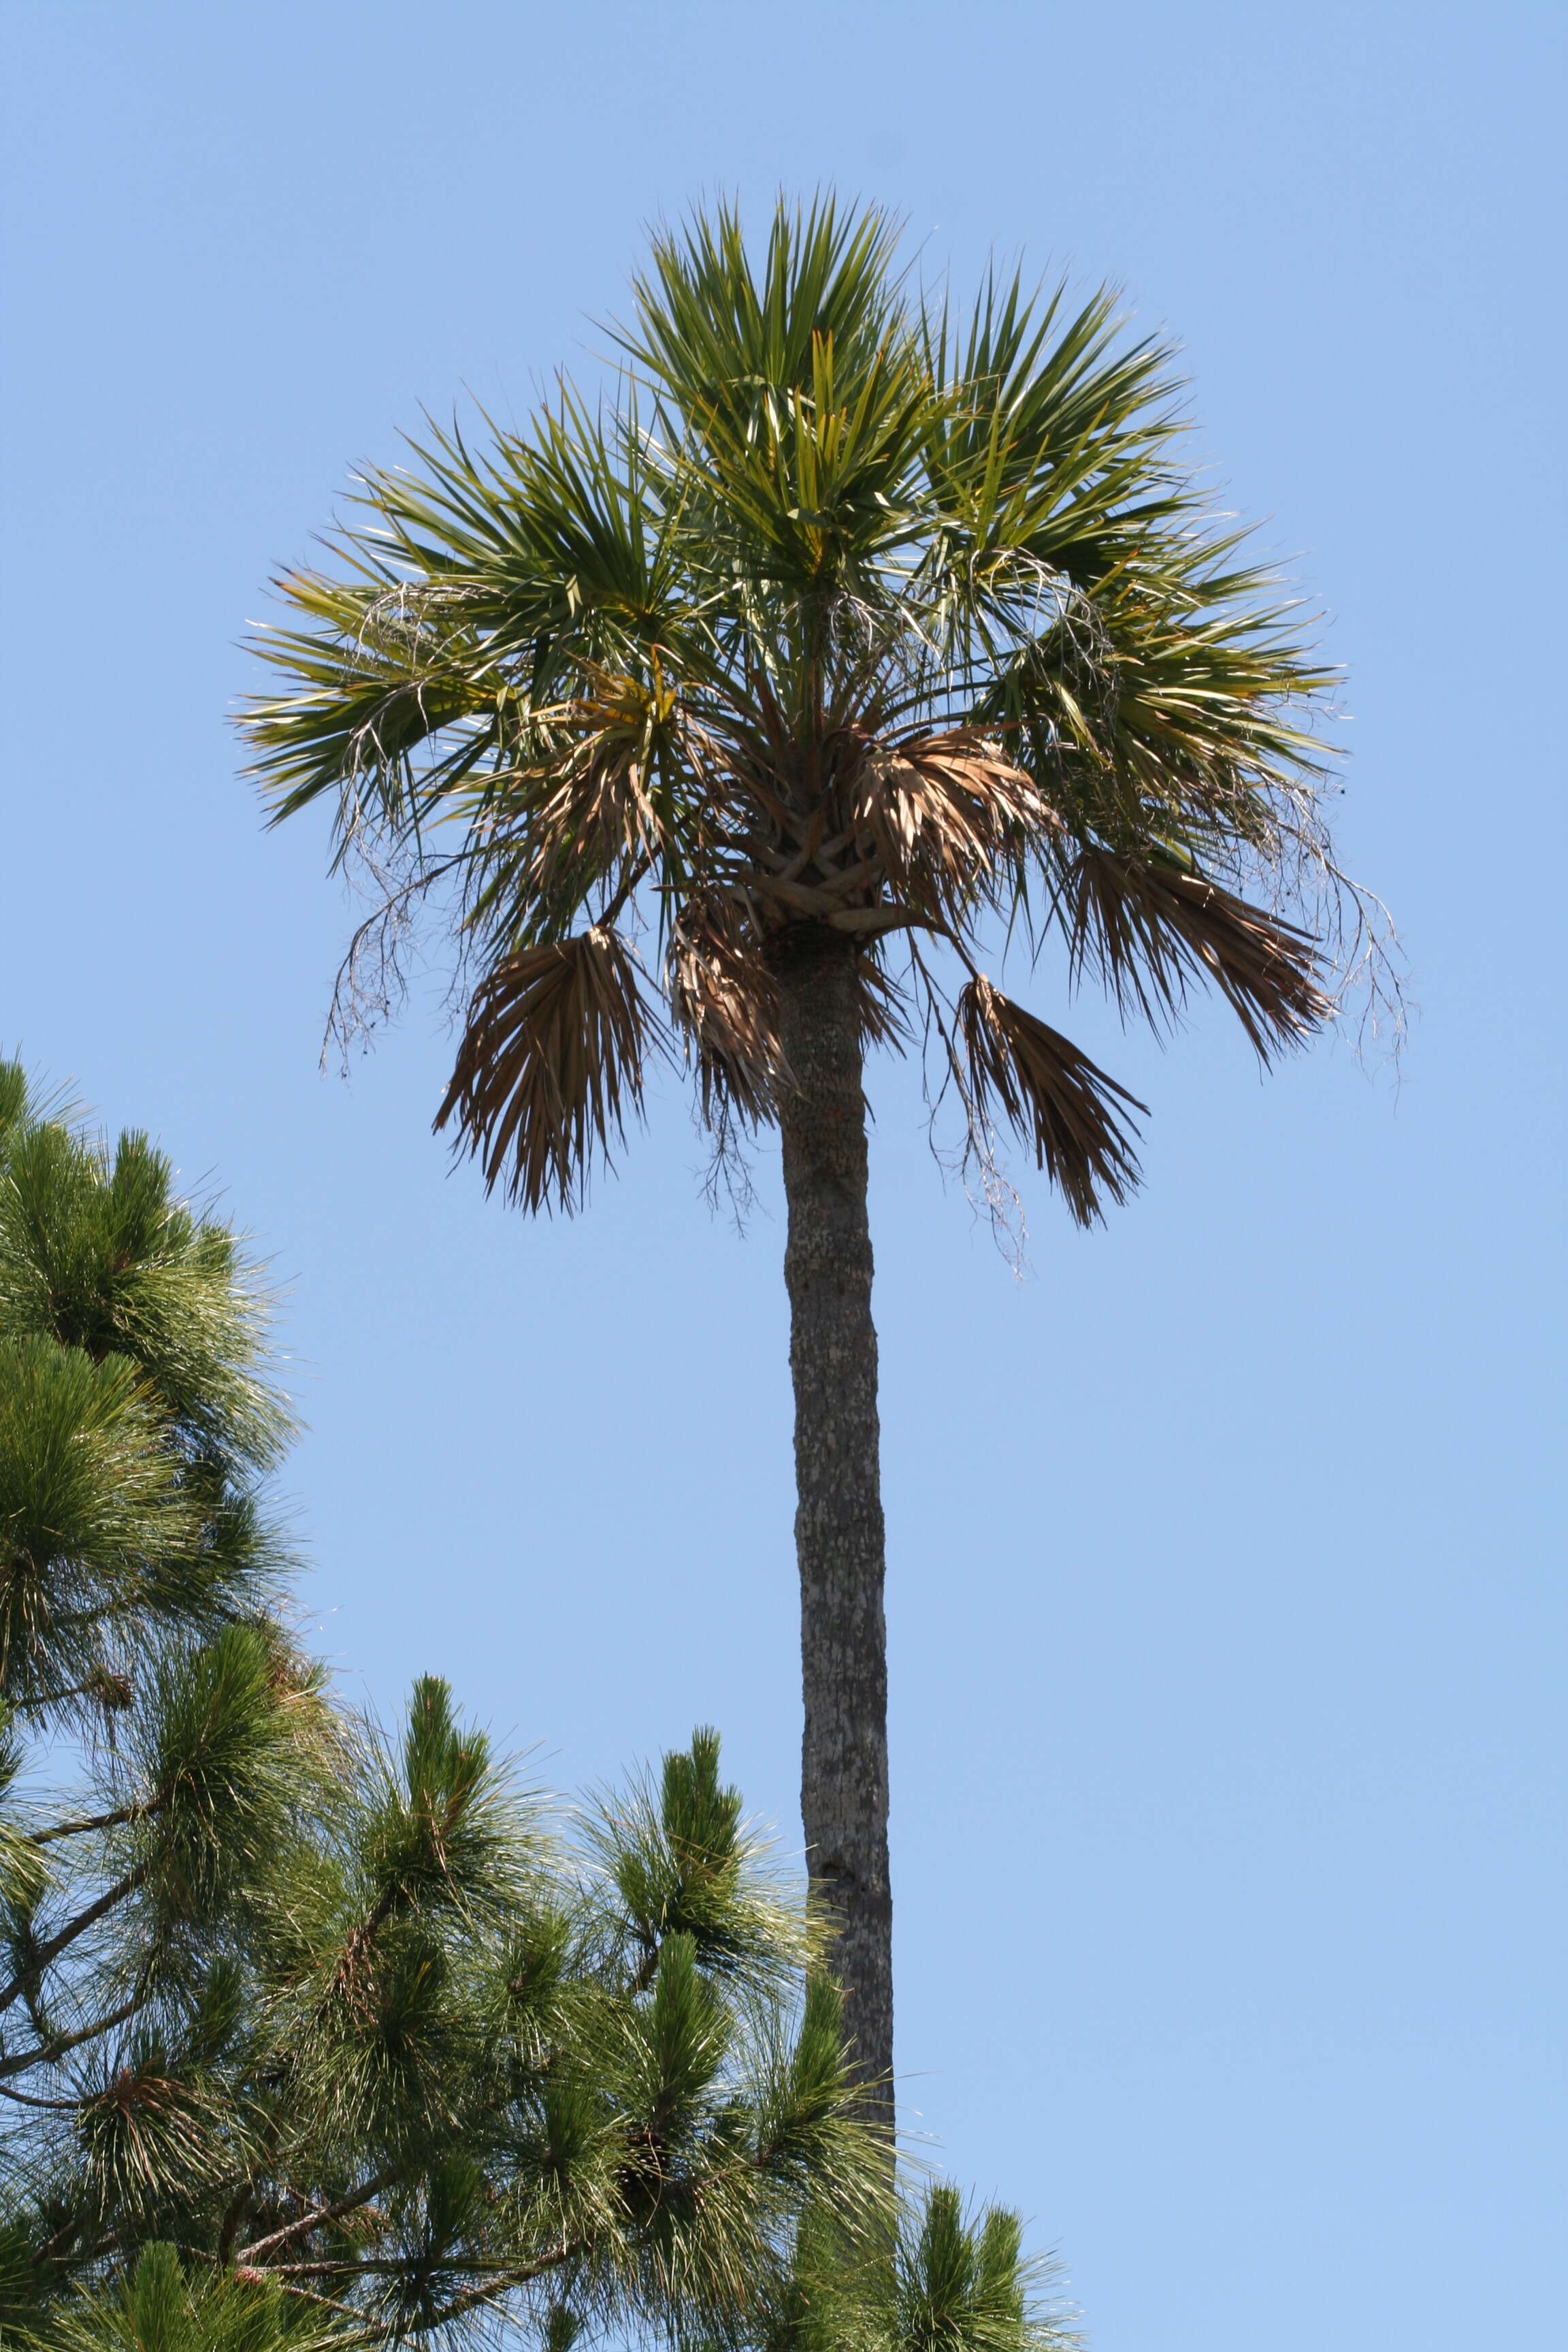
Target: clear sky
(1225,1550)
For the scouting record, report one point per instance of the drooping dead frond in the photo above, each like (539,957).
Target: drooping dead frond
(947,818)
(724,997)
(573,819)
(884,1010)
(1051,1095)
(555,1046)
(593,813)
(603,749)
(1147,930)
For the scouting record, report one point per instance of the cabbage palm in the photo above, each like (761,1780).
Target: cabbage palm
(731,715)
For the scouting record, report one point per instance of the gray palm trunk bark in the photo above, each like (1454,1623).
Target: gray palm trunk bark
(839,1539)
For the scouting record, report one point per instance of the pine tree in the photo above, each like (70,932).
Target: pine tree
(313,2033)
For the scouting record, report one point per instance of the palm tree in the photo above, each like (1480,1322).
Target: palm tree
(732,714)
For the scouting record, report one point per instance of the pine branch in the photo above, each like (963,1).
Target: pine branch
(143,1812)
(47,2052)
(473,2298)
(646,1971)
(317,2216)
(55,2106)
(46,1954)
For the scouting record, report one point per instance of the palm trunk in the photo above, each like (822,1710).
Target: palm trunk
(838,1528)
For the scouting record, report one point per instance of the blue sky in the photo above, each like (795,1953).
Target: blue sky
(1225,1587)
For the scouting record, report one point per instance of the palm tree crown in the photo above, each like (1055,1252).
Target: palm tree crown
(846,612)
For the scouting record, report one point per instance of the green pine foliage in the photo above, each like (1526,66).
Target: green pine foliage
(314,2033)
(159,2306)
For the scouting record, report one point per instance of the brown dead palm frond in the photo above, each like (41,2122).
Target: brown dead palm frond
(946,818)
(555,1045)
(595,809)
(1051,1095)
(1146,929)
(578,801)
(723,998)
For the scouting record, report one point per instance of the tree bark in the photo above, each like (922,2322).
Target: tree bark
(839,1539)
